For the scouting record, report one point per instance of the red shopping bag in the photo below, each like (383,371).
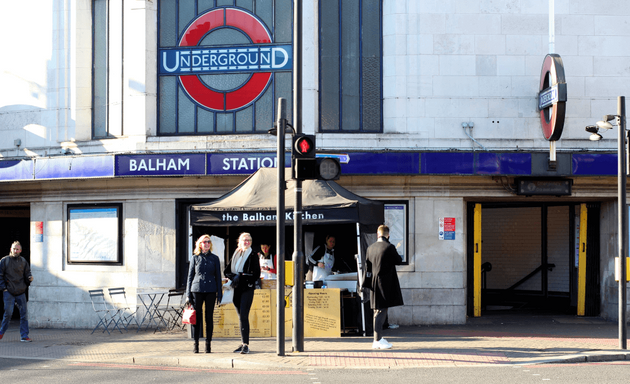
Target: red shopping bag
(189,316)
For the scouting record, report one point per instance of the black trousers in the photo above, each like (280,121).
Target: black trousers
(209,298)
(243,299)
(379,320)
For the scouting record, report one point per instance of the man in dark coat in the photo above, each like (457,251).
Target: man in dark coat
(14,275)
(382,279)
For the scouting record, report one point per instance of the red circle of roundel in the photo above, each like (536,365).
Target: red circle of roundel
(257,83)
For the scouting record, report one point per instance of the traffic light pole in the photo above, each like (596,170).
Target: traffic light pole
(298,253)
(298,267)
(281,126)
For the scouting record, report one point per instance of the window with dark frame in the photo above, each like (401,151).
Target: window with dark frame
(94,234)
(107,68)
(350,66)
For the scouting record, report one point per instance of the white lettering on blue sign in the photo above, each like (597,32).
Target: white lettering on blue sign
(158,165)
(230,59)
(248,164)
(548,97)
(259,216)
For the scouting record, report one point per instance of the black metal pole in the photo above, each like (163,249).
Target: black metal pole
(298,261)
(298,253)
(623,219)
(281,124)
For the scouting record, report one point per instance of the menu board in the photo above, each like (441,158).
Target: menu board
(322,314)
(226,319)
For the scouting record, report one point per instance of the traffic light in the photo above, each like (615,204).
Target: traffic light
(306,166)
(325,168)
(303,146)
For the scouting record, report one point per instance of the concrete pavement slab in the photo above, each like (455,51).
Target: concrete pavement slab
(498,340)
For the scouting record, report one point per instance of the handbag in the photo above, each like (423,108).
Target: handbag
(189,316)
(228,294)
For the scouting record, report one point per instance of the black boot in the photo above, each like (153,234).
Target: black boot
(208,345)
(196,347)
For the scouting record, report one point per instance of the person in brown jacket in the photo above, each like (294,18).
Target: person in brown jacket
(14,274)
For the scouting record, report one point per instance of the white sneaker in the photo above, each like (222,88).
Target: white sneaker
(381,344)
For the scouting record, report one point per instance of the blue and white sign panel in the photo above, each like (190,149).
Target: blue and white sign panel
(241,163)
(250,58)
(16,170)
(161,165)
(74,167)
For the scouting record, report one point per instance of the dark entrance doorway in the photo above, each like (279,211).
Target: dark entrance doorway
(529,259)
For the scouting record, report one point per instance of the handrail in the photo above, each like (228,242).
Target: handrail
(535,271)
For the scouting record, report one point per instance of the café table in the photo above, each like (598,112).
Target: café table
(151,303)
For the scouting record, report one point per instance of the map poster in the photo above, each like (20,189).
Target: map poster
(396,220)
(93,234)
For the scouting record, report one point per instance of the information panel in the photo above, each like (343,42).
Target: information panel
(322,315)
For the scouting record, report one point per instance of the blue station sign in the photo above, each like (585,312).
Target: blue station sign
(161,165)
(249,58)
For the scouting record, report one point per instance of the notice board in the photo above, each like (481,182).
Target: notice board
(322,314)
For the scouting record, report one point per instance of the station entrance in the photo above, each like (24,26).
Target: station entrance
(533,257)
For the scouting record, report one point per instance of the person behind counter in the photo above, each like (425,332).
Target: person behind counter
(243,271)
(204,286)
(323,257)
(267,262)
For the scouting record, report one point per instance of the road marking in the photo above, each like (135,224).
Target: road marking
(184,369)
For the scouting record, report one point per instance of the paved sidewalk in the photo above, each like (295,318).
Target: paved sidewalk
(489,340)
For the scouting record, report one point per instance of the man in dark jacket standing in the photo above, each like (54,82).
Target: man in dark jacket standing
(14,272)
(381,261)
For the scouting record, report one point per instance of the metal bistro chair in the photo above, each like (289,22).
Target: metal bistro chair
(171,313)
(102,310)
(123,313)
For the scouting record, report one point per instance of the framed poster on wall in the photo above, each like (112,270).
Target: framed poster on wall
(396,219)
(95,234)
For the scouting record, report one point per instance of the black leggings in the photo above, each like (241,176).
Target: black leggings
(209,298)
(243,302)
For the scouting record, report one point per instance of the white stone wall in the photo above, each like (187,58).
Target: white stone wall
(444,63)
(58,296)
(609,287)
(448,62)
(434,286)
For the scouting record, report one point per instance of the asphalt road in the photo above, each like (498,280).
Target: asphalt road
(55,371)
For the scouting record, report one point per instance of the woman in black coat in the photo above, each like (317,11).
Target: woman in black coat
(243,270)
(204,286)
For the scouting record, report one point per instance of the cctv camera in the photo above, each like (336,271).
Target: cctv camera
(591,129)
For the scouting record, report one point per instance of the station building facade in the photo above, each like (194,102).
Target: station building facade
(123,113)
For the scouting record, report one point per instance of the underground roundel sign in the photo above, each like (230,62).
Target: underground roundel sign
(552,97)
(259,59)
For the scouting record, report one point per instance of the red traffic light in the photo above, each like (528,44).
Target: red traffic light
(304,146)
